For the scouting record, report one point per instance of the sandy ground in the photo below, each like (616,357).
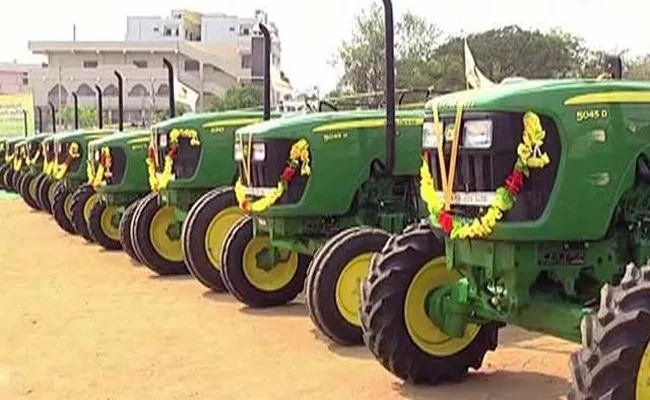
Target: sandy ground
(80,323)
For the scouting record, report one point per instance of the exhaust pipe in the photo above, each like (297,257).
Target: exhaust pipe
(120,100)
(170,83)
(390,88)
(614,66)
(39,113)
(267,71)
(76,110)
(25,122)
(100,107)
(53,112)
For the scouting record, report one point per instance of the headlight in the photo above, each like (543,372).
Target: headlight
(477,134)
(97,155)
(162,140)
(239,154)
(259,152)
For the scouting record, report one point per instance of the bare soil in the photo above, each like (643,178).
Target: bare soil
(80,323)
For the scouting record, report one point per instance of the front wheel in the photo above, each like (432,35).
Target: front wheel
(256,274)
(28,190)
(204,232)
(125,231)
(62,207)
(46,191)
(103,226)
(83,201)
(614,362)
(334,282)
(395,324)
(4,169)
(156,237)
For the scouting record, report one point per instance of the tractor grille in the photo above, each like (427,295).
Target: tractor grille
(186,160)
(49,150)
(33,149)
(61,152)
(484,170)
(266,174)
(161,150)
(118,166)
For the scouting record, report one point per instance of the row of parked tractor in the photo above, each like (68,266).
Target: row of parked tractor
(418,231)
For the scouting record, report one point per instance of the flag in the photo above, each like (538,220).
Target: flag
(185,95)
(473,75)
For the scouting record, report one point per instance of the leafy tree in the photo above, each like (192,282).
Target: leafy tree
(236,97)
(638,69)
(163,114)
(87,117)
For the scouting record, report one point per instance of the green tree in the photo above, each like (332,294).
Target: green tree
(638,68)
(236,97)
(163,114)
(87,117)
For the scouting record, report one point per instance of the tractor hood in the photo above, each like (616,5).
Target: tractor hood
(120,139)
(206,121)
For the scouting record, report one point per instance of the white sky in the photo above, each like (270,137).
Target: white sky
(311,30)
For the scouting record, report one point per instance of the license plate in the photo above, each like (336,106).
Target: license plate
(477,199)
(257,191)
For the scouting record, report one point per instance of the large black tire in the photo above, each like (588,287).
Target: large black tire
(8,178)
(614,362)
(147,215)
(204,231)
(15,180)
(83,200)
(233,270)
(386,325)
(334,282)
(39,181)
(46,190)
(4,168)
(28,190)
(61,207)
(102,226)
(125,231)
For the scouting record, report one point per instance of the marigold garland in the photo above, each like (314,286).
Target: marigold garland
(298,160)
(96,177)
(18,160)
(175,135)
(61,169)
(530,156)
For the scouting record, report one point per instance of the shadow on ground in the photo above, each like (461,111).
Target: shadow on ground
(498,385)
(288,310)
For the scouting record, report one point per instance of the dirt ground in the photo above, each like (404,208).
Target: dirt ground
(80,323)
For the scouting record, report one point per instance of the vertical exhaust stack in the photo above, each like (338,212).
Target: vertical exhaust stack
(614,66)
(53,113)
(120,101)
(100,107)
(267,71)
(76,110)
(39,113)
(170,83)
(390,87)
(25,126)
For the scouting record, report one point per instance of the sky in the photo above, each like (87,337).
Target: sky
(311,31)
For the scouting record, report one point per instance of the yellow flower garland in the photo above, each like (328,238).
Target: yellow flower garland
(174,136)
(96,177)
(530,156)
(298,157)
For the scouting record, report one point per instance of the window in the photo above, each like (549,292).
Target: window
(90,64)
(177,32)
(156,29)
(244,30)
(140,63)
(231,29)
(25,80)
(168,32)
(246,61)
(191,65)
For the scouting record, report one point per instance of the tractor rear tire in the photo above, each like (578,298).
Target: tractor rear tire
(614,362)
(125,231)
(7,178)
(251,284)
(28,185)
(148,234)
(15,180)
(204,232)
(39,181)
(396,327)
(61,207)
(46,193)
(101,228)
(4,169)
(334,282)
(83,201)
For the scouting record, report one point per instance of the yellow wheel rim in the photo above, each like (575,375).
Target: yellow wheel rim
(32,188)
(422,330)
(643,377)
(163,245)
(106,223)
(216,233)
(347,294)
(88,207)
(67,206)
(51,191)
(274,279)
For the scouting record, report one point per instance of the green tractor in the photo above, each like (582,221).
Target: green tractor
(323,192)
(537,198)
(7,168)
(73,196)
(47,185)
(186,162)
